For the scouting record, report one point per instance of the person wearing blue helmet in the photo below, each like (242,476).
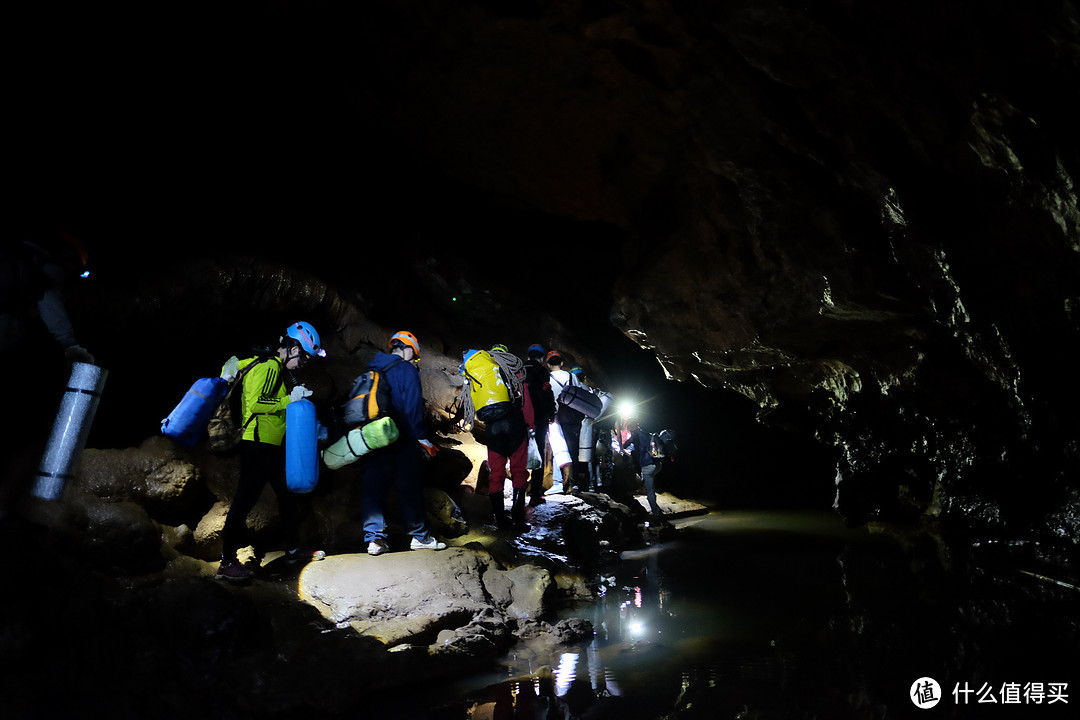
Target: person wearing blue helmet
(266,389)
(305,338)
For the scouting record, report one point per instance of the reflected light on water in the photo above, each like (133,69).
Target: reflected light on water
(565,673)
(739,608)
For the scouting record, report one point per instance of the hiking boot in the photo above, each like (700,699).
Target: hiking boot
(517,511)
(234,571)
(498,511)
(429,544)
(377,547)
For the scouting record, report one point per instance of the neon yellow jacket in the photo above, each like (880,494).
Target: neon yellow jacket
(263,395)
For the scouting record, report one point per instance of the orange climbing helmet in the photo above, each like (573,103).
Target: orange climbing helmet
(406,339)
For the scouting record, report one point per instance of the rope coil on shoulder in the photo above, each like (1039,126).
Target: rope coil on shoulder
(510,367)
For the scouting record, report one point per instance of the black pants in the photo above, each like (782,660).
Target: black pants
(260,464)
(536,477)
(570,422)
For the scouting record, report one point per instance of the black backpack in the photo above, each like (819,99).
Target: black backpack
(224,431)
(543,399)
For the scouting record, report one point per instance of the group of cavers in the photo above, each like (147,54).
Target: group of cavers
(277,437)
(534,414)
(523,411)
(529,413)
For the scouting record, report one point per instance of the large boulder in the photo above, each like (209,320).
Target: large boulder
(427,598)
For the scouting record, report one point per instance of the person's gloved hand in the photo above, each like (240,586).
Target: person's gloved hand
(77,353)
(232,367)
(298,393)
(428,447)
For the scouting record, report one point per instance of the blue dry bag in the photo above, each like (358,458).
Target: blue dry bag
(301,446)
(187,422)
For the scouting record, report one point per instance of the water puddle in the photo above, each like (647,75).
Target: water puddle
(763,615)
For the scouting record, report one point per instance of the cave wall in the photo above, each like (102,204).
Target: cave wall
(860,216)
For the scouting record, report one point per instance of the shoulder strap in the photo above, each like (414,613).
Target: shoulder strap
(237,383)
(394,363)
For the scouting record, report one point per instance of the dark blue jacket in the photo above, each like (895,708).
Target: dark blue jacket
(640,446)
(406,395)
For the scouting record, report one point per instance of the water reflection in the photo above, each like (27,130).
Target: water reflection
(778,615)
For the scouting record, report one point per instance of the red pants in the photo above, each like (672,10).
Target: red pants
(519,475)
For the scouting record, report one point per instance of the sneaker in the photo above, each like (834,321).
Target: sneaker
(234,571)
(376,547)
(305,553)
(430,544)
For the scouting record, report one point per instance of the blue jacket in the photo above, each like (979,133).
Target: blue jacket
(406,396)
(640,445)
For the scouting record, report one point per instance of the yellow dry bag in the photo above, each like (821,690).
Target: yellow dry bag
(486,383)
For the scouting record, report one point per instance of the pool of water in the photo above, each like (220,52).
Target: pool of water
(793,615)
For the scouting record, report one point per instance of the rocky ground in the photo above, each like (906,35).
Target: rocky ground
(113,611)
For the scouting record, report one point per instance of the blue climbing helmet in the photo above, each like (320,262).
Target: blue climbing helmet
(307,338)
(577,370)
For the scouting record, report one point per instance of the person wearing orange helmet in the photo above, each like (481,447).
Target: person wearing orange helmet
(399,464)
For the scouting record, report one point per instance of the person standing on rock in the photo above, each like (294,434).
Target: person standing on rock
(565,431)
(37,340)
(591,430)
(265,392)
(507,438)
(543,403)
(399,464)
(638,444)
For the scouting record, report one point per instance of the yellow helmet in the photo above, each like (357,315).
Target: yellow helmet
(406,338)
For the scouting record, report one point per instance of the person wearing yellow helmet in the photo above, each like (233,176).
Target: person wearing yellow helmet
(398,465)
